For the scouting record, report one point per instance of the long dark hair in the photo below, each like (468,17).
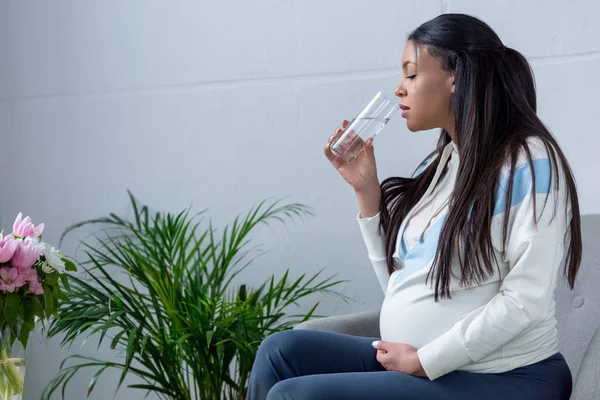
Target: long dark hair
(494,106)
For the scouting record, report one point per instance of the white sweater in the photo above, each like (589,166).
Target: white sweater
(506,322)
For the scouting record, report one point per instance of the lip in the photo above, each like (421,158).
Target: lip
(404,109)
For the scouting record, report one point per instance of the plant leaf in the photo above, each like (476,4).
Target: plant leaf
(11,308)
(69,265)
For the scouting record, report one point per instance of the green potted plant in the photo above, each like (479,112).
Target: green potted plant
(160,289)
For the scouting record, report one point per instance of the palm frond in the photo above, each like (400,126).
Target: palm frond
(159,289)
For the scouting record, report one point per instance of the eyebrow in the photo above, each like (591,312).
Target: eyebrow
(408,62)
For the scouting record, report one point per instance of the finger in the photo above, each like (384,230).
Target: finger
(369,149)
(335,160)
(380,345)
(345,123)
(381,360)
(335,135)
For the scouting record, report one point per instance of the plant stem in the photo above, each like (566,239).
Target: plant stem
(3,388)
(14,378)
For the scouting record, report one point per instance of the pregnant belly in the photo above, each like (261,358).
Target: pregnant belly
(410,315)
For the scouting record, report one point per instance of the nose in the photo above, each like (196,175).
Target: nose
(400,90)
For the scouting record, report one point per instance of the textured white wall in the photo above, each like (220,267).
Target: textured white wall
(227,103)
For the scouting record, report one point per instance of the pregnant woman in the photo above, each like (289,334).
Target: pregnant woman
(467,250)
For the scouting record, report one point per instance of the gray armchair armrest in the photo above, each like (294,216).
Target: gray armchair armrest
(587,385)
(365,323)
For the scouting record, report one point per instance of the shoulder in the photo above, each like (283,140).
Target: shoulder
(527,173)
(531,195)
(536,149)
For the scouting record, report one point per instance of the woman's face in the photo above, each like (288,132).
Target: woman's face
(426,89)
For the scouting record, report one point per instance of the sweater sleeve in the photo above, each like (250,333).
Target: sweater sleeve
(534,253)
(374,242)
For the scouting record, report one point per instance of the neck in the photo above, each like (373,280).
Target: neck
(450,128)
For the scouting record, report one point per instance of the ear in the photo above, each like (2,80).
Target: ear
(451,79)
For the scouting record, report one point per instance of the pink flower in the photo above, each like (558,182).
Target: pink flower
(8,246)
(28,274)
(27,253)
(24,228)
(10,279)
(35,287)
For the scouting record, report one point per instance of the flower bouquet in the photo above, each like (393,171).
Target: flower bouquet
(31,275)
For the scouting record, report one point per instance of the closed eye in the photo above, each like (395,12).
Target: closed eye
(411,77)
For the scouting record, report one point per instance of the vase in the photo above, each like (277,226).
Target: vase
(12,366)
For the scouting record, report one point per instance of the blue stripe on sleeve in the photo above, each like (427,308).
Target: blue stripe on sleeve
(522,183)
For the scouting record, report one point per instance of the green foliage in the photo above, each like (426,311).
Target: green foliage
(159,290)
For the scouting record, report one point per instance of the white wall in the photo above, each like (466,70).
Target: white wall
(227,103)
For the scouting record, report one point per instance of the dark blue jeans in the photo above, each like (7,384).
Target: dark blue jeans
(313,365)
